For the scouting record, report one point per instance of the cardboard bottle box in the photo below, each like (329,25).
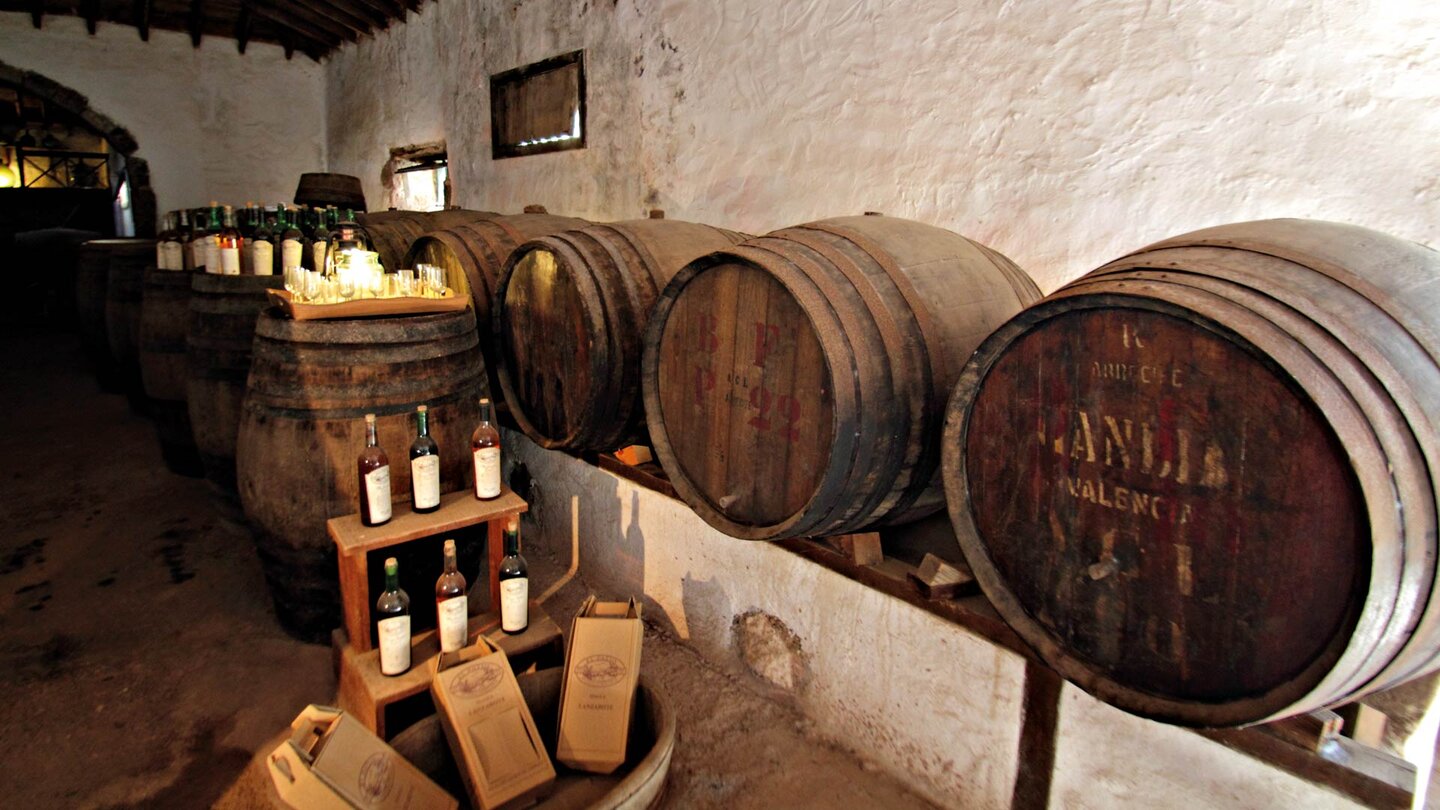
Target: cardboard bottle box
(602,668)
(332,761)
(496,745)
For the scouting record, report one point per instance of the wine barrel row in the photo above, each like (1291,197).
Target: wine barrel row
(569,314)
(393,232)
(301,429)
(796,384)
(164,321)
(1199,480)
(124,292)
(92,275)
(474,254)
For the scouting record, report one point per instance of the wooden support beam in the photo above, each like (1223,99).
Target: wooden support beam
(37,12)
(387,10)
(339,12)
(295,33)
(90,10)
(142,19)
(197,21)
(305,21)
(242,26)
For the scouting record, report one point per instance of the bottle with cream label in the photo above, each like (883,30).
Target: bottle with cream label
(393,623)
(485,449)
(424,465)
(374,467)
(451,605)
(514,583)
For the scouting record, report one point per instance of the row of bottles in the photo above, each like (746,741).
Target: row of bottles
(374,467)
(451,605)
(257,241)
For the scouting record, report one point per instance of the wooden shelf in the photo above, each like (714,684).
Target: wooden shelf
(354,541)
(365,693)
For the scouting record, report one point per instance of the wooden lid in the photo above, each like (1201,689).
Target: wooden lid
(1160,510)
(746,395)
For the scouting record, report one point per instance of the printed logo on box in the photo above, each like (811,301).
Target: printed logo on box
(377,776)
(478,679)
(600,670)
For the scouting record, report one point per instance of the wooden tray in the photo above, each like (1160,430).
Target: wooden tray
(367,307)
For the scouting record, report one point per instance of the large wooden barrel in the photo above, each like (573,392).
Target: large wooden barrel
(322,189)
(302,428)
(570,311)
(393,232)
(44,269)
(164,320)
(92,276)
(477,251)
(223,310)
(796,384)
(124,292)
(1198,480)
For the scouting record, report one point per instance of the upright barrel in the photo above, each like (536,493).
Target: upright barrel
(164,321)
(223,310)
(302,429)
(1198,481)
(323,188)
(796,384)
(92,277)
(124,292)
(477,252)
(570,312)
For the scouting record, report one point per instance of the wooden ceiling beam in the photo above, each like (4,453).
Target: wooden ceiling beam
(370,16)
(295,27)
(328,12)
(90,10)
(294,14)
(37,12)
(242,26)
(141,14)
(197,21)
(387,10)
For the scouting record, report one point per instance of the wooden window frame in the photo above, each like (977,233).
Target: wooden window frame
(518,76)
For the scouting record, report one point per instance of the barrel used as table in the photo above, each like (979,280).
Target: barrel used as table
(124,291)
(1198,481)
(92,277)
(302,428)
(796,384)
(476,252)
(570,311)
(164,320)
(223,310)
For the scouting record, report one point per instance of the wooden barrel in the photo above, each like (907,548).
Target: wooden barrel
(124,292)
(1198,480)
(302,428)
(570,311)
(476,253)
(796,384)
(223,310)
(392,232)
(321,189)
(92,276)
(164,320)
(636,785)
(44,268)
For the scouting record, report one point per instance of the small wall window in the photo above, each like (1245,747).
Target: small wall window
(418,178)
(539,107)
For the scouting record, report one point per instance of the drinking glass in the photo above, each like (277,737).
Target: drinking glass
(405,281)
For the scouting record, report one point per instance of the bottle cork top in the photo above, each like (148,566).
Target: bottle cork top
(513,524)
(421,409)
(369,418)
(449,546)
(484,400)
(391,565)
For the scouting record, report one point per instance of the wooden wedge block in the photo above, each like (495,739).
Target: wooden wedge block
(939,579)
(862,549)
(1309,731)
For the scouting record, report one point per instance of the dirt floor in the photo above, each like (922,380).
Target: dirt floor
(143,666)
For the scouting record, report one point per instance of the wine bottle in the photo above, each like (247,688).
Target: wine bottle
(198,236)
(229,243)
(485,449)
(451,605)
(393,625)
(262,245)
(211,243)
(319,241)
(292,240)
(180,255)
(374,478)
(514,583)
(424,465)
(163,240)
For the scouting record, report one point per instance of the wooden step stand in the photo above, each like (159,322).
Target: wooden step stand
(364,692)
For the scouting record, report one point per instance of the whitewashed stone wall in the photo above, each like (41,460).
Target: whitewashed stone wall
(1062,135)
(212,123)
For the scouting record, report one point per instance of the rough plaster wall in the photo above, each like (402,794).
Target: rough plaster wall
(1105,758)
(212,123)
(1060,139)
(917,694)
